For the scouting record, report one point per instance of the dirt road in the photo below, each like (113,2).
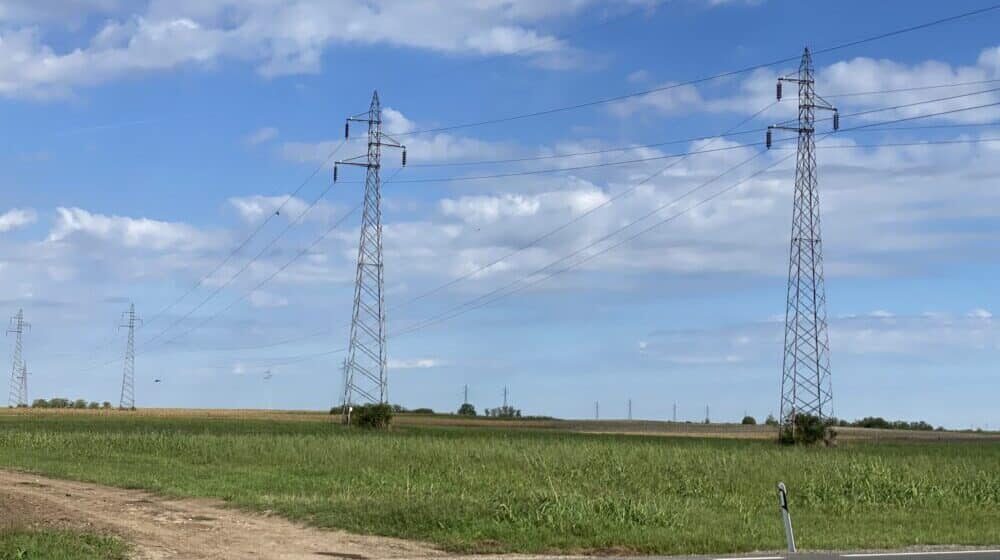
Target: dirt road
(192,529)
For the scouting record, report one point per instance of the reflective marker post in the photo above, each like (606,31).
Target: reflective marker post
(785,516)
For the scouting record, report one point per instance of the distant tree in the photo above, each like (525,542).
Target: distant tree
(504,412)
(80,403)
(40,403)
(771,420)
(337,410)
(374,416)
(94,405)
(422,411)
(105,405)
(749,421)
(466,410)
(806,429)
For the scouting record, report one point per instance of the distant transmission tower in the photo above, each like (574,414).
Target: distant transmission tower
(127,400)
(805,380)
(365,371)
(18,395)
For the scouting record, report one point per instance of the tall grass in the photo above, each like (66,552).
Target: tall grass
(491,490)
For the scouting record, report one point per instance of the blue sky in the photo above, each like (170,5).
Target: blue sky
(145,140)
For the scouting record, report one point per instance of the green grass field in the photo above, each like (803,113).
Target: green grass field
(59,545)
(482,490)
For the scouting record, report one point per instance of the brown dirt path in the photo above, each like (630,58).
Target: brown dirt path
(192,529)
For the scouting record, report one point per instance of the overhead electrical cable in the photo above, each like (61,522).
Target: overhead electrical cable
(695,81)
(250,237)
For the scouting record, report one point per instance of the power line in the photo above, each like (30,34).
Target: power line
(246,265)
(916,88)
(301,253)
(253,234)
(646,146)
(485,297)
(704,79)
(590,211)
(497,294)
(580,217)
(274,274)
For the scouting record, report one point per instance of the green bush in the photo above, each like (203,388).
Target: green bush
(423,411)
(749,421)
(40,403)
(805,429)
(466,410)
(374,416)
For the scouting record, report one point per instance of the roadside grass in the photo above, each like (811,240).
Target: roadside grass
(492,490)
(24,544)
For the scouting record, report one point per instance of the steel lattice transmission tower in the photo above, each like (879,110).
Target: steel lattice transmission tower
(18,395)
(805,380)
(129,320)
(365,368)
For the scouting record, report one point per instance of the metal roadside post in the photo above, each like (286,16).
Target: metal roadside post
(785,516)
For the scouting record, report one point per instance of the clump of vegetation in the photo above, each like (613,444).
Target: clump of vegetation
(505,411)
(372,416)
(466,410)
(749,421)
(771,420)
(805,429)
(29,544)
(883,424)
(59,402)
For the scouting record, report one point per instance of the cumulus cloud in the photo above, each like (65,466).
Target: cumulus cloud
(17,218)
(141,233)
(422,149)
(857,75)
(278,37)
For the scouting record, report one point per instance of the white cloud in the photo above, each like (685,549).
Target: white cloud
(261,135)
(860,74)
(141,233)
(279,37)
(417,363)
(421,149)
(252,209)
(980,314)
(17,218)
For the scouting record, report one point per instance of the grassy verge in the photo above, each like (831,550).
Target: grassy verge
(491,490)
(59,545)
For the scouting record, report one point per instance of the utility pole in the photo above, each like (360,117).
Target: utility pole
(675,412)
(505,397)
(708,418)
(129,320)
(466,401)
(365,375)
(805,378)
(630,409)
(18,395)
(597,410)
